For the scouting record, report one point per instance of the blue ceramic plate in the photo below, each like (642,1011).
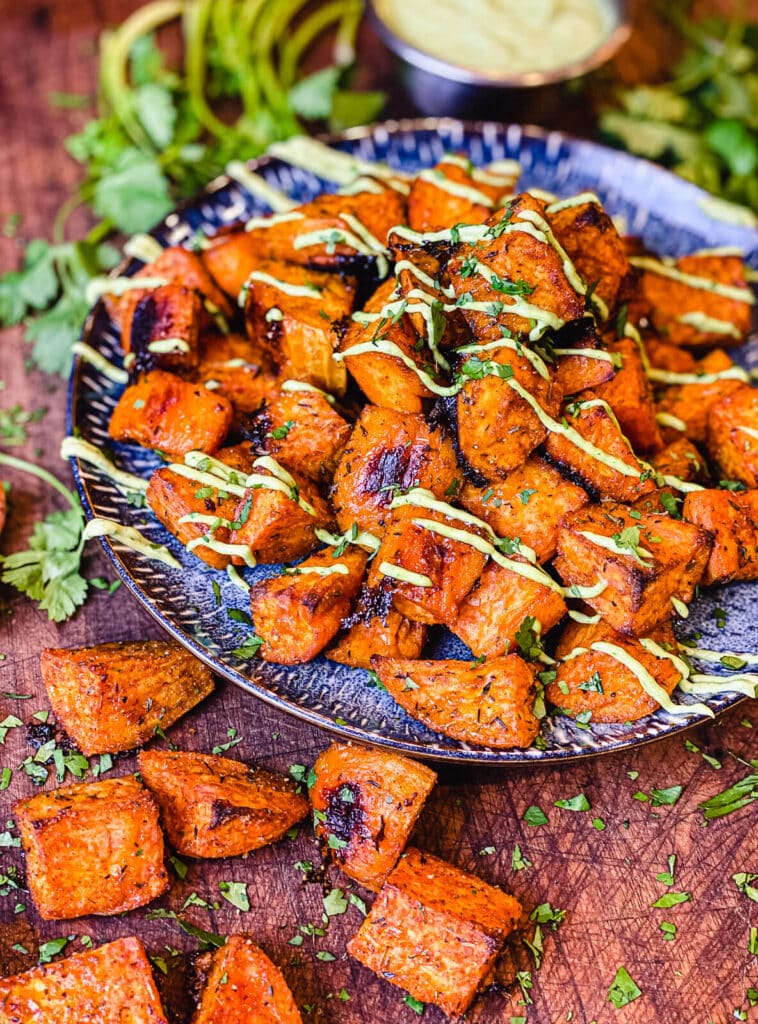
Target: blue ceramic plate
(193,604)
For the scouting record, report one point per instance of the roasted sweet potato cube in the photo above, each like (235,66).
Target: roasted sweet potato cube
(494,609)
(681,458)
(298,613)
(597,427)
(644,562)
(731,436)
(216,807)
(164,329)
(450,566)
(574,373)
(664,356)
(435,931)
(630,396)
(244,987)
(528,504)
(291,311)
(497,428)
(691,402)
(732,520)
(685,313)
(432,207)
(302,431)
(391,635)
(389,451)
(383,378)
(275,526)
(598,683)
(366,804)
(488,704)
(92,848)
(111,697)
(322,226)
(231,258)
(164,412)
(590,238)
(173,497)
(520,262)
(111,983)
(233,367)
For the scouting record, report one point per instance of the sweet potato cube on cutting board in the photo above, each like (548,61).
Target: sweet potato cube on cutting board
(244,987)
(732,520)
(692,402)
(597,427)
(92,848)
(216,807)
(528,504)
(659,559)
(298,613)
(731,436)
(389,451)
(451,566)
(496,606)
(366,803)
(392,635)
(488,704)
(597,683)
(111,983)
(112,697)
(173,415)
(435,931)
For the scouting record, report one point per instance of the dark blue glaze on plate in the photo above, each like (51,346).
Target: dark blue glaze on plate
(673,218)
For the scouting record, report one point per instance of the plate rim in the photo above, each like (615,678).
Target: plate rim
(479,757)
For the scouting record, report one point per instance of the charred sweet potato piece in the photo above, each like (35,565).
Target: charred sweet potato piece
(383,378)
(432,207)
(275,527)
(435,931)
(630,396)
(92,848)
(574,373)
(732,519)
(216,807)
(233,367)
(297,330)
(597,427)
(111,697)
(528,504)
(691,402)
(173,497)
(596,682)
(451,566)
(494,609)
(244,987)
(302,431)
(590,238)
(164,412)
(731,436)
(681,458)
(645,562)
(111,983)
(298,613)
(322,225)
(527,267)
(684,313)
(391,635)
(164,329)
(487,705)
(389,451)
(366,804)
(231,258)
(497,428)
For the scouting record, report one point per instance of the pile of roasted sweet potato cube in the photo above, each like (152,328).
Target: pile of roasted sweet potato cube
(98,848)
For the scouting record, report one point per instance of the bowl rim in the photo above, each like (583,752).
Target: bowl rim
(464,75)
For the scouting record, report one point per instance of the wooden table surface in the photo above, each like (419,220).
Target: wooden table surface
(605,879)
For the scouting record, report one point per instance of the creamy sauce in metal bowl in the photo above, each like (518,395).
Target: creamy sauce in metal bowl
(507,37)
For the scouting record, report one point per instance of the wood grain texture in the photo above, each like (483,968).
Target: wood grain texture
(605,880)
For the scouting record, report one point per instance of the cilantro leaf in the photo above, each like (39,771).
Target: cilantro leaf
(135,194)
(623,989)
(236,894)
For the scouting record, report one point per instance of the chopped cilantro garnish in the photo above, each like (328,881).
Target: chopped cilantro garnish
(623,990)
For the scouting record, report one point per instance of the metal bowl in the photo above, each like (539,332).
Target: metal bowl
(438,88)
